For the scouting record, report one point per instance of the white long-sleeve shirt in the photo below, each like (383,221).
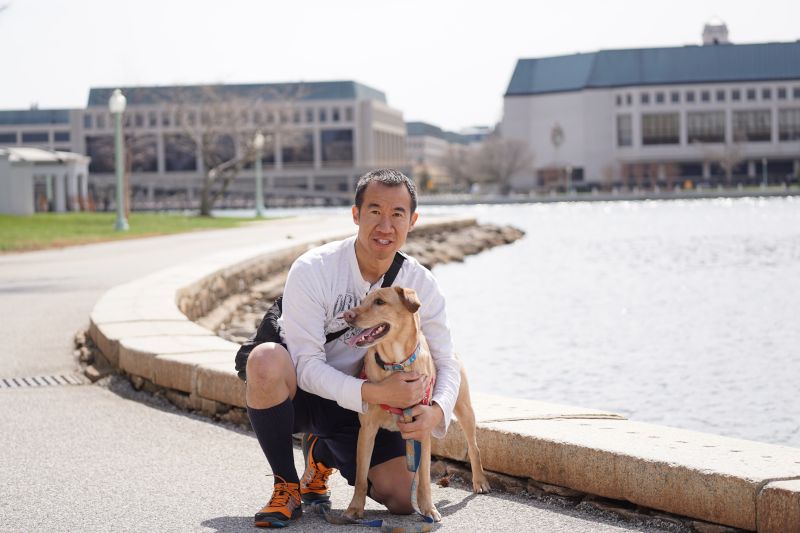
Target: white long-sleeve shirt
(325,282)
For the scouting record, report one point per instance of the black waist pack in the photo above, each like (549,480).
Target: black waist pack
(269,329)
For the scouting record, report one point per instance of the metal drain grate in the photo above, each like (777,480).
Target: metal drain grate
(42,381)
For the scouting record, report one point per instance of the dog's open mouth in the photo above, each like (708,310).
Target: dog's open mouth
(369,336)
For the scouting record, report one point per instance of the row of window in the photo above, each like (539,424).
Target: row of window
(763,94)
(710,127)
(241,118)
(33,137)
(181,153)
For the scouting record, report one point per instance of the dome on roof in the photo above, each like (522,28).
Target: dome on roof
(715,32)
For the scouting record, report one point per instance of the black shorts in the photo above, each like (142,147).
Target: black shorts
(338,427)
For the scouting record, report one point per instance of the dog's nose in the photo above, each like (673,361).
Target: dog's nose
(349,316)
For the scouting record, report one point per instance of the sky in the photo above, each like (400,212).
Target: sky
(447,62)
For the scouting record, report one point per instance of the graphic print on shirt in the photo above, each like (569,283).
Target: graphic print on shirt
(343,303)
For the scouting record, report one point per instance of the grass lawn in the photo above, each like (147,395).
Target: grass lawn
(53,230)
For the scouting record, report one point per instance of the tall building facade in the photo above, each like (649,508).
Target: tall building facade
(320,136)
(716,114)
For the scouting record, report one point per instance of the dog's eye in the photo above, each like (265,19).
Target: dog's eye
(378,301)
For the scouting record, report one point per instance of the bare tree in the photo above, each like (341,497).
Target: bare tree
(220,126)
(728,156)
(498,160)
(458,164)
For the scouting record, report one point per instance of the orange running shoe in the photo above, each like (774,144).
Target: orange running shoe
(282,507)
(314,483)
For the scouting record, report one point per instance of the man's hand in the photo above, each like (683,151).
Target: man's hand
(400,390)
(426,417)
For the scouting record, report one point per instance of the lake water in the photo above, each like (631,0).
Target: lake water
(680,313)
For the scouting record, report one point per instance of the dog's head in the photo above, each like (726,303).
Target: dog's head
(383,312)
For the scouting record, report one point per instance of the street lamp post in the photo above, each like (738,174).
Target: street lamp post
(258,144)
(569,178)
(116,105)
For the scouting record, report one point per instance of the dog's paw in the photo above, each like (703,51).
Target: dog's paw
(480,485)
(432,512)
(354,512)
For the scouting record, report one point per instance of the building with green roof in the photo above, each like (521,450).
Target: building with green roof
(712,114)
(320,137)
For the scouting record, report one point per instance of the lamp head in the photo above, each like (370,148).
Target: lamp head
(116,104)
(258,141)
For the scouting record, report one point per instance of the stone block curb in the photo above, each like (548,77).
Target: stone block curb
(144,328)
(779,507)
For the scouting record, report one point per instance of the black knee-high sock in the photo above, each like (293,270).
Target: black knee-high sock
(273,427)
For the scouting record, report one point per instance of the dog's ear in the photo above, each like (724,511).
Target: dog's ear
(409,298)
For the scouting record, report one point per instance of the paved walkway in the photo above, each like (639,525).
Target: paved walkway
(92,458)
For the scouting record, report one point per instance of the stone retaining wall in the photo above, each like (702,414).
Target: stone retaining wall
(144,329)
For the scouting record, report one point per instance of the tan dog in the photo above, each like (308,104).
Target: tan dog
(392,329)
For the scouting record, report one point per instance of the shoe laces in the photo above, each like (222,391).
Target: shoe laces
(320,475)
(281,494)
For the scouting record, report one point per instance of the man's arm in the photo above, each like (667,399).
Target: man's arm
(304,330)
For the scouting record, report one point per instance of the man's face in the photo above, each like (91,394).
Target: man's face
(384,219)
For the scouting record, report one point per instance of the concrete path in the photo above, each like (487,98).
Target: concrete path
(92,458)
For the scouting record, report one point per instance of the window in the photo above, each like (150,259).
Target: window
(298,149)
(660,128)
(166,118)
(789,124)
(645,98)
(180,153)
(270,117)
(191,118)
(139,120)
(619,100)
(323,115)
(782,93)
(335,114)
(61,136)
(101,122)
(337,146)
(87,122)
(755,125)
(35,137)
(721,95)
(258,118)
(707,127)
(659,98)
(751,94)
(736,95)
(675,97)
(310,116)
(143,153)
(766,94)
(624,130)
(101,149)
(690,96)
(705,96)
(218,150)
(8,138)
(796,92)
(348,114)
(152,119)
(628,99)
(296,117)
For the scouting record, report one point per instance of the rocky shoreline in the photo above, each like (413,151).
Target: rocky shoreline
(429,246)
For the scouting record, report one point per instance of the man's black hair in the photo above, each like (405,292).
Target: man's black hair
(386,176)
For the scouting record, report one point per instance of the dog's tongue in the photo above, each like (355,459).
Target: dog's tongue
(360,335)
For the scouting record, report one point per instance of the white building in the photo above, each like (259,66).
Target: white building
(714,114)
(321,136)
(32,179)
